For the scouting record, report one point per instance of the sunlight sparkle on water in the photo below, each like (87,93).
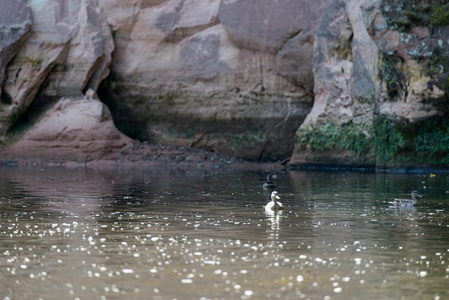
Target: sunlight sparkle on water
(337,236)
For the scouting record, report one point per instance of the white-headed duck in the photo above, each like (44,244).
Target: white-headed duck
(274,204)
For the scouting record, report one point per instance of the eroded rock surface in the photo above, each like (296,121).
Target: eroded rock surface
(375,84)
(79,130)
(67,51)
(14,25)
(234,77)
(360,79)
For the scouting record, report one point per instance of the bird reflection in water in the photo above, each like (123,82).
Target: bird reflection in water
(274,216)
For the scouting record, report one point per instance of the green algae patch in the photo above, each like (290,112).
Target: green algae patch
(390,143)
(382,139)
(439,15)
(432,141)
(238,142)
(351,137)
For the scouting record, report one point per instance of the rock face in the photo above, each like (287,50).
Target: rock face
(334,81)
(67,51)
(79,130)
(373,87)
(349,62)
(13,28)
(227,76)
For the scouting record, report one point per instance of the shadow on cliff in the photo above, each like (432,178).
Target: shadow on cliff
(254,139)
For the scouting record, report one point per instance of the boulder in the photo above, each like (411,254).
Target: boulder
(72,130)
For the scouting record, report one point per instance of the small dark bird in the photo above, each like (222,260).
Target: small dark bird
(269,184)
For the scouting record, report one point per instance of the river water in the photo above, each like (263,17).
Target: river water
(164,233)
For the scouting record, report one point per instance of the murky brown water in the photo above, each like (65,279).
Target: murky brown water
(195,234)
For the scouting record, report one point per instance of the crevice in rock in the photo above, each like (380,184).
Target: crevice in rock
(125,120)
(259,159)
(94,75)
(6,98)
(37,109)
(291,36)
(181,33)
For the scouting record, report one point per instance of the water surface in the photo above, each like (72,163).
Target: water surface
(142,233)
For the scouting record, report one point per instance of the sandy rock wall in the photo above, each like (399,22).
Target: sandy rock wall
(79,130)
(228,76)
(67,50)
(375,84)
(14,27)
(338,80)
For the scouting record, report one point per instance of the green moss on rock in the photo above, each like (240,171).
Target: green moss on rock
(432,141)
(351,137)
(238,142)
(402,15)
(407,14)
(426,142)
(439,15)
(387,139)
(382,139)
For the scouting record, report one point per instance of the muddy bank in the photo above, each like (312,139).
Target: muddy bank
(135,154)
(143,154)
(81,132)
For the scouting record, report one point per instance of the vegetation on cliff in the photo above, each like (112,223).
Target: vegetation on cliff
(405,15)
(425,142)
(350,137)
(381,140)
(432,142)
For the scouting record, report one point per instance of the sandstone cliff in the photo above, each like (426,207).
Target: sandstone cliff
(327,81)
(233,77)
(381,83)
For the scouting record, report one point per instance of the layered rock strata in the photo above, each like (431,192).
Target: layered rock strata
(233,77)
(376,86)
(78,130)
(333,81)
(67,50)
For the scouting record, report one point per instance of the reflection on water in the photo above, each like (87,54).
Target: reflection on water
(182,234)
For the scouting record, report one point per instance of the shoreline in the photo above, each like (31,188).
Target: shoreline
(157,164)
(241,165)
(371,169)
(143,154)
(136,154)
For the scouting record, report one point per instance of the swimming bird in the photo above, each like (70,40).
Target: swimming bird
(407,202)
(269,184)
(274,204)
